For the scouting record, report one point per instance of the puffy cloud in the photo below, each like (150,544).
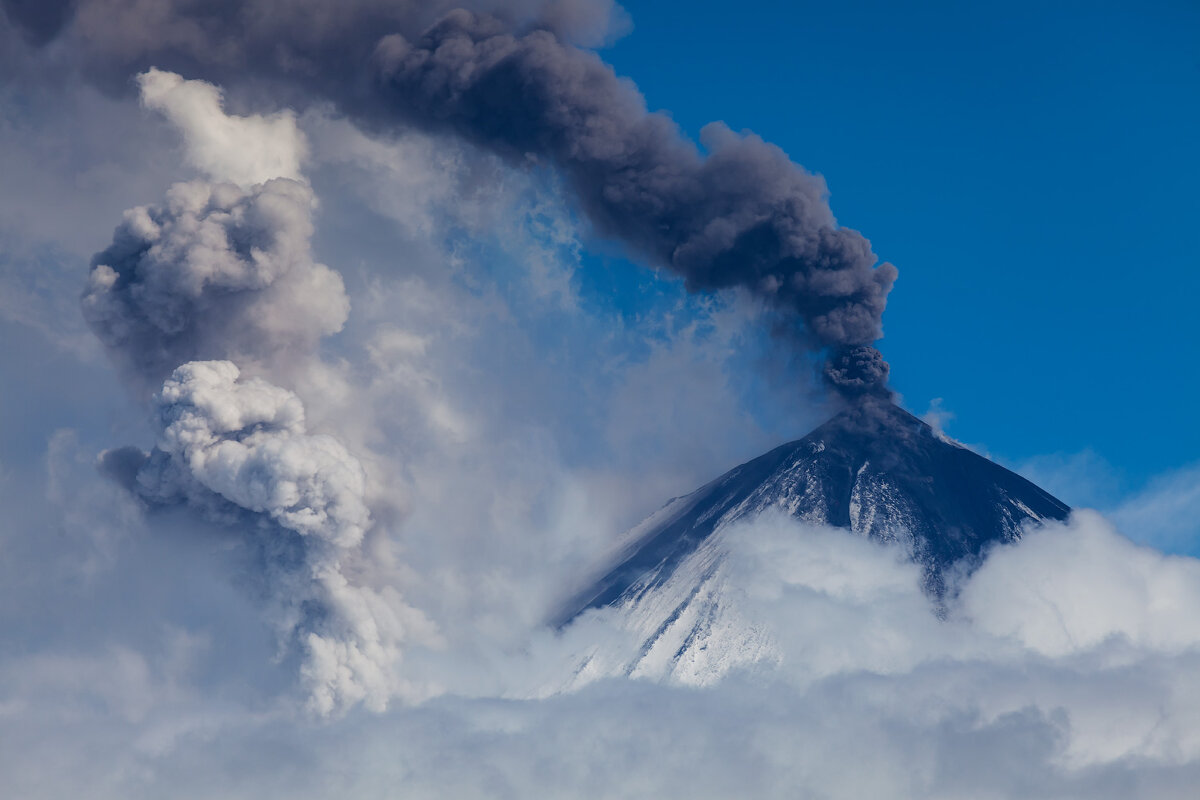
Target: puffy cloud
(222,268)
(246,441)
(1063,590)
(216,271)
(1073,641)
(239,452)
(871,695)
(241,150)
(1087,587)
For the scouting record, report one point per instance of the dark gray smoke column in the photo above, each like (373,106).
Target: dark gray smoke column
(857,372)
(741,216)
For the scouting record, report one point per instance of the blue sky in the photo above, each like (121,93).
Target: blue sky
(1030,168)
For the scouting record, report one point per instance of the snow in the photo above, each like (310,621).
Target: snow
(669,582)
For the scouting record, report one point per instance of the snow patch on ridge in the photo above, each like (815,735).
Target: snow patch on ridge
(689,629)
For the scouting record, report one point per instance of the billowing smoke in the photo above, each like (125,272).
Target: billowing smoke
(246,442)
(222,268)
(739,215)
(856,371)
(324,42)
(239,451)
(743,215)
(222,271)
(215,271)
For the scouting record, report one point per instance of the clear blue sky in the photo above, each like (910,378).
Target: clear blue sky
(1030,168)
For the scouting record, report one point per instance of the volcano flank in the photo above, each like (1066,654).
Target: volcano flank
(873,469)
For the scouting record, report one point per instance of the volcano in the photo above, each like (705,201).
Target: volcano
(873,469)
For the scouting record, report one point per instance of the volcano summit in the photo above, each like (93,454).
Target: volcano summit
(873,469)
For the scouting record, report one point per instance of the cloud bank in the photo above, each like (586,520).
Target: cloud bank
(1041,683)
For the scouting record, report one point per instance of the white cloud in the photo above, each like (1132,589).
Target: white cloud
(873,696)
(1163,513)
(1063,592)
(238,452)
(1166,513)
(246,441)
(225,147)
(214,272)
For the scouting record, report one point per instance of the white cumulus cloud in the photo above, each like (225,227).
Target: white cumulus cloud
(225,147)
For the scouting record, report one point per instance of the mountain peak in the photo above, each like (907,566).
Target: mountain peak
(873,469)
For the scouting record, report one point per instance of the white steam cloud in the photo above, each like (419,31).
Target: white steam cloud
(223,270)
(1026,690)
(241,150)
(1066,667)
(214,272)
(239,452)
(246,441)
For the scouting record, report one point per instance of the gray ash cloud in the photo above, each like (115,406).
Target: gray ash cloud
(509,76)
(223,271)
(215,271)
(858,371)
(740,215)
(237,451)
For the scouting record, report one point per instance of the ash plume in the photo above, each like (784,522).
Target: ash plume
(509,77)
(222,270)
(246,441)
(742,215)
(857,371)
(317,43)
(238,451)
(215,271)
(243,150)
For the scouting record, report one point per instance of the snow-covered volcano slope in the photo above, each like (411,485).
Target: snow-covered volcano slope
(874,469)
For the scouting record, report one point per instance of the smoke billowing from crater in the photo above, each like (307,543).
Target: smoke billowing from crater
(858,371)
(741,215)
(507,76)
